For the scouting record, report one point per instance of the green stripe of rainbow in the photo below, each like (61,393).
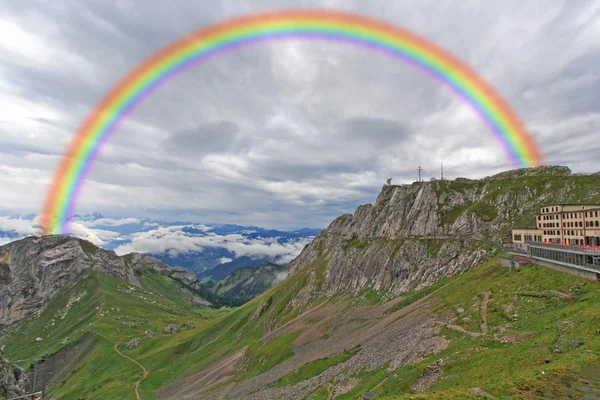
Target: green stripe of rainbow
(327,25)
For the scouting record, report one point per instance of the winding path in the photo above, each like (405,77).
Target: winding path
(137,384)
(146,371)
(484,325)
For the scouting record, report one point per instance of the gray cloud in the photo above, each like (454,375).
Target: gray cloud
(376,131)
(284,134)
(212,137)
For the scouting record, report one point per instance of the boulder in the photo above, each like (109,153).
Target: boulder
(183,275)
(13,380)
(171,328)
(201,302)
(133,343)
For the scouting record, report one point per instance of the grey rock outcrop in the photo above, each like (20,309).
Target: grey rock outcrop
(201,302)
(171,328)
(149,333)
(133,343)
(34,270)
(13,380)
(41,267)
(413,235)
(183,275)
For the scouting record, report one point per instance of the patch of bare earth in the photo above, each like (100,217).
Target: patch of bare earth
(430,376)
(192,386)
(405,336)
(484,325)
(59,365)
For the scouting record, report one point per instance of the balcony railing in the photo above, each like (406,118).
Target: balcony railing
(578,248)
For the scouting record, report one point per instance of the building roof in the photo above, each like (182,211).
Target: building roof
(578,204)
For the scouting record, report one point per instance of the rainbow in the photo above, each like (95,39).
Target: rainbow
(303,24)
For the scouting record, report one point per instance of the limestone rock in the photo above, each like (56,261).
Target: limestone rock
(263,307)
(413,235)
(171,328)
(149,333)
(183,275)
(34,270)
(13,380)
(133,343)
(201,302)
(430,376)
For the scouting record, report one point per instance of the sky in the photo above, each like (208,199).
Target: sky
(289,134)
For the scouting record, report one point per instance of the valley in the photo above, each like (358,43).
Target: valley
(404,299)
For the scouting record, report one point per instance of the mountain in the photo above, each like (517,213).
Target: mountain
(222,270)
(249,282)
(405,298)
(196,247)
(416,234)
(34,270)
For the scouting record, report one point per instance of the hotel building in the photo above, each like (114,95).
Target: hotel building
(566,224)
(566,235)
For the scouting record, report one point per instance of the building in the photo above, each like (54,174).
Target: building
(566,236)
(563,224)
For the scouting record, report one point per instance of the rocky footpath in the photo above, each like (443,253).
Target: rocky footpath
(36,269)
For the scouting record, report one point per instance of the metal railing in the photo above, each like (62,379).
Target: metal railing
(516,250)
(578,248)
(35,395)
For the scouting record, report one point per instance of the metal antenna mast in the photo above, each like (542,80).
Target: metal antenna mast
(420,169)
(442,170)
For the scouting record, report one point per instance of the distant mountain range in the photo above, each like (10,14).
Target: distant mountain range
(218,248)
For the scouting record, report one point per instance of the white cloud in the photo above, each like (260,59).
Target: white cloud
(224,260)
(114,222)
(174,240)
(97,236)
(22,227)
(19,226)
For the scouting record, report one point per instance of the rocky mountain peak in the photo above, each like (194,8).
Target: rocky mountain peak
(415,234)
(36,269)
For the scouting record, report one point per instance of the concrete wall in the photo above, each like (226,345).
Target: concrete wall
(510,262)
(572,271)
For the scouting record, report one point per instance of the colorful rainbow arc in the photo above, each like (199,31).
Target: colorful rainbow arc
(321,25)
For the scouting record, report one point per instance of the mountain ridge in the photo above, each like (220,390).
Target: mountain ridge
(34,270)
(405,298)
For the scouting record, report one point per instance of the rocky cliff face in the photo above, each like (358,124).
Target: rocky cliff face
(416,234)
(13,380)
(36,269)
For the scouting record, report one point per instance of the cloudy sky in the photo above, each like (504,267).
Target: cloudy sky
(288,134)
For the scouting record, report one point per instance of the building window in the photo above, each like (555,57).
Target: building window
(517,238)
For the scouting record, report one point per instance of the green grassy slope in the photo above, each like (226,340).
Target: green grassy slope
(524,309)
(115,312)
(506,370)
